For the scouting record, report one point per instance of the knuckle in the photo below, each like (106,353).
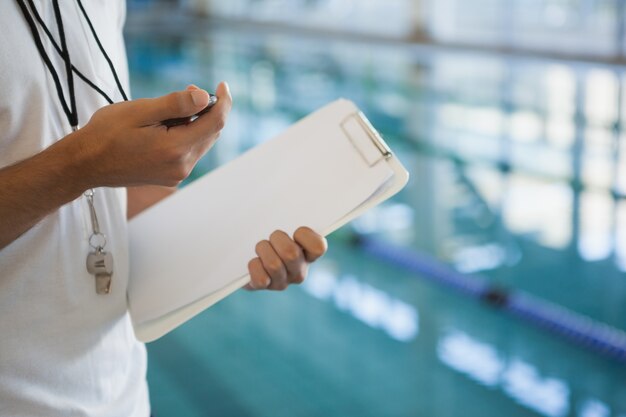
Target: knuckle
(291,253)
(181,172)
(316,255)
(318,251)
(174,155)
(220,122)
(182,164)
(298,279)
(254,281)
(252,264)
(259,246)
(320,246)
(260,281)
(301,230)
(275,266)
(276,234)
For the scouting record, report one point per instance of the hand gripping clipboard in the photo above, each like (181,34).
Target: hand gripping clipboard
(192,249)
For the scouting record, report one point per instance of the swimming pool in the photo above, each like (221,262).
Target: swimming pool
(501,187)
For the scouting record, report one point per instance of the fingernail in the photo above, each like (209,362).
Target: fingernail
(200,98)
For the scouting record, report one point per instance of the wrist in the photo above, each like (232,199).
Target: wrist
(74,163)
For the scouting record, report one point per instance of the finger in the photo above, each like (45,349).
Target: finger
(259,279)
(202,147)
(223,93)
(291,254)
(273,265)
(214,121)
(180,121)
(313,244)
(171,106)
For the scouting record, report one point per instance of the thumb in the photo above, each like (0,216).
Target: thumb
(174,105)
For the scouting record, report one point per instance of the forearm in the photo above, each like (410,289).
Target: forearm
(140,198)
(37,186)
(123,144)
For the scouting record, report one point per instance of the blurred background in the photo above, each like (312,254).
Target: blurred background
(493,284)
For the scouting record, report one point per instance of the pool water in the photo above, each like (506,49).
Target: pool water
(501,186)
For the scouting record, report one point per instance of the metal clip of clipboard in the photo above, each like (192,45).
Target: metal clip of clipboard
(360,132)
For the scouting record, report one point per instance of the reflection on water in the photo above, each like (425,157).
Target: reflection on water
(517,172)
(367,304)
(518,379)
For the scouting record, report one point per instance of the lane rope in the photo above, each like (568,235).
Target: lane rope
(580,329)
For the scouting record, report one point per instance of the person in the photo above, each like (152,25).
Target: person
(65,195)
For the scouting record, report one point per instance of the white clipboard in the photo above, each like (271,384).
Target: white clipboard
(192,249)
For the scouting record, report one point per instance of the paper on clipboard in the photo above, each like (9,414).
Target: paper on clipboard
(192,249)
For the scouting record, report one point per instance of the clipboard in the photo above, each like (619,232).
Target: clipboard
(191,250)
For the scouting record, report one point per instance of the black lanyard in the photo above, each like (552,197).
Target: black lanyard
(69,110)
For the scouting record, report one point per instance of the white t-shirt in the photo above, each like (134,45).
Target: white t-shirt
(64,350)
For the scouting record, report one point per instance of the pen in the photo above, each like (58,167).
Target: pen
(184,120)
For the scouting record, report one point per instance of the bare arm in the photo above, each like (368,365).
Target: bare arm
(37,186)
(140,198)
(123,145)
